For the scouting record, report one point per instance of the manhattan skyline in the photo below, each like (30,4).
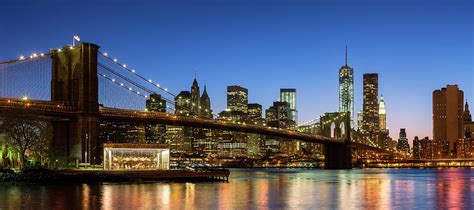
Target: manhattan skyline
(415,48)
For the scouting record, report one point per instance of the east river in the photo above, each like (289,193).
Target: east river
(451,188)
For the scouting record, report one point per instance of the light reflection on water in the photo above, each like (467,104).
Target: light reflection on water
(265,188)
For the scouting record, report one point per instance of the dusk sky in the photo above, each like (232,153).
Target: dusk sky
(415,47)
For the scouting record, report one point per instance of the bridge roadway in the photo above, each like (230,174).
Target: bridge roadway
(54,109)
(49,109)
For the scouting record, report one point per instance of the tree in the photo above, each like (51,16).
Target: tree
(27,135)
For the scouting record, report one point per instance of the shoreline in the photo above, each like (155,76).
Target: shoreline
(108,176)
(46,177)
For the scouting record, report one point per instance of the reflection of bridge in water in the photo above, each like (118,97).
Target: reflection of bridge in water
(75,111)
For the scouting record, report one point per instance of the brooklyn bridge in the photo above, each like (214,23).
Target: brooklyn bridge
(86,87)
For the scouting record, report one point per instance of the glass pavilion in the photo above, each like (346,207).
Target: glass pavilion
(136,157)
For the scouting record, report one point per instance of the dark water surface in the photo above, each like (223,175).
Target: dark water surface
(265,188)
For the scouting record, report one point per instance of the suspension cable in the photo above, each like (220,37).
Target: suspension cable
(124,66)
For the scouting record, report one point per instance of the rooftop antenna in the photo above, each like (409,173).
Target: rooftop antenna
(346,54)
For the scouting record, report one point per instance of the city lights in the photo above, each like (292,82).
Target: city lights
(237,106)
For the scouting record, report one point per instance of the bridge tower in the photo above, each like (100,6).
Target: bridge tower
(337,125)
(74,83)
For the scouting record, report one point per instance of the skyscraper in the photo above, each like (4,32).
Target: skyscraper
(156,103)
(370,123)
(179,137)
(205,105)
(382,114)
(155,133)
(384,138)
(468,130)
(447,120)
(254,141)
(346,90)
(195,98)
(360,120)
(192,140)
(237,98)
(255,114)
(182,103)
(403,145)
(467,114)
(278,115)
(417,148)
(468,124)
(289,95)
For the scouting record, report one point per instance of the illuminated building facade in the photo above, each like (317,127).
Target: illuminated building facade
(182,103)
(155,133)
(176,138)
(289,95)
(416,148)
(346,90)
(360,119)
(231,144)
(254,141)
(255,114)
(278,116)
(384,138)
(237,98)
(121,132)
(403,145)
(426,148)
(468,130)
(188,139)
(370,123)
(311,150)
(382,114)
(205,105)
(448,120)
(195,99)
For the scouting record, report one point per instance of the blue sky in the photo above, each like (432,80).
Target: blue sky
(415,46)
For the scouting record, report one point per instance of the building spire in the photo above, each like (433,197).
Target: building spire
(346,54)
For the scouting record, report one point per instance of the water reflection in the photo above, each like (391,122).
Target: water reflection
(262,189)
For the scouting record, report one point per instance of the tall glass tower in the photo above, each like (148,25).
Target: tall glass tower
(370,123)
(382,114)
(346,90)
(289,95)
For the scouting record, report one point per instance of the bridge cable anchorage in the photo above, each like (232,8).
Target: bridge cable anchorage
(149,91)
(128,88)
(124,66)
